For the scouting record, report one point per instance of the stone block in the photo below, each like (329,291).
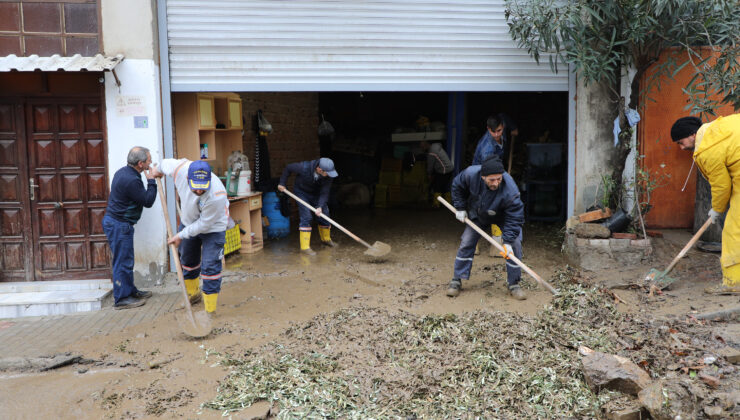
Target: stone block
(730,354)
(581,242)
(591,230)
(608,371)
(599,243)
(571,224)
(619,244)
(641,243)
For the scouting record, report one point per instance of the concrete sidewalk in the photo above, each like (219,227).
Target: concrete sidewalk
(47,335)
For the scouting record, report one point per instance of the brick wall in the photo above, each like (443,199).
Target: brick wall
(45,28)
(294,119)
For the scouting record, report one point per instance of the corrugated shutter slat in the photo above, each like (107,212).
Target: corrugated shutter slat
(340,45)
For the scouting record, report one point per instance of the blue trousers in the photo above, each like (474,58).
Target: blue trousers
(464,258)
(201,256)
(306,215)
(121,241)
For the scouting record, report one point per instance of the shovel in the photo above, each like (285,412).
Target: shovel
(660,278)
(194,325)
(376,250)
(511,257)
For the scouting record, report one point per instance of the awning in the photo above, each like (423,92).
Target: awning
(56,62)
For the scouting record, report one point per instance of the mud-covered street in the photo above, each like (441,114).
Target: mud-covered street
(277,304)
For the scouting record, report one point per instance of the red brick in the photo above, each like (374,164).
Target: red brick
(10,17)
(10,45)
(43,45)
(42,17)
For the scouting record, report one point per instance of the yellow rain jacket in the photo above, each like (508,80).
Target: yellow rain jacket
(717,154)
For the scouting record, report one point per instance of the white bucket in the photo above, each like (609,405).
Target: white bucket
(245,183)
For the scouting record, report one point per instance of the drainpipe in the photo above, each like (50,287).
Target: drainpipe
(166,97)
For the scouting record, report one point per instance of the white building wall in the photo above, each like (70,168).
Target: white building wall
(129,28)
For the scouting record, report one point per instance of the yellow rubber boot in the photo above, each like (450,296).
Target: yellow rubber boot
(192,286)
(496,234)
(325,235)
(210,302)
(305,237)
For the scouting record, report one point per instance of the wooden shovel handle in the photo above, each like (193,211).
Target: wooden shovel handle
(501,248)
(173,248)
(688,246)
(340,227)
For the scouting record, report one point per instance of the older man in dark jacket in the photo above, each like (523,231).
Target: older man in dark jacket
(486,194)
(312,185)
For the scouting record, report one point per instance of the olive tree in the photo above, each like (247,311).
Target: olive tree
(602,38)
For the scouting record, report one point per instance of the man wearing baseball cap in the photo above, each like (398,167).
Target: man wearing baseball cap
(312,184)
(716,151)
(201,235)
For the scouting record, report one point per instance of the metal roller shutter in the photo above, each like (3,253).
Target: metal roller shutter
(344,45)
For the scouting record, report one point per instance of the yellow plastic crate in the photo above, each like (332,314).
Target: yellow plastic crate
(233,240)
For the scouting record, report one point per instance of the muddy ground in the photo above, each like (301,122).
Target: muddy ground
(277,290)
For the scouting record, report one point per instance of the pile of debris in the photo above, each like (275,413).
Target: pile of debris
(365,362)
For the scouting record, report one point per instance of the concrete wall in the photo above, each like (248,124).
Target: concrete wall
(595,113)
(129,28)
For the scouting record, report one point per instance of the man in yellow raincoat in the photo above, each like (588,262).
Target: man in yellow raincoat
(716,147)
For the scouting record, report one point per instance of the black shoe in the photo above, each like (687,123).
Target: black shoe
(454,288)
(516,292)
(142,294)
(129,302)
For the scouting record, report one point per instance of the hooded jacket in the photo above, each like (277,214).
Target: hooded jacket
(503,207)
(717,154)
(199,214)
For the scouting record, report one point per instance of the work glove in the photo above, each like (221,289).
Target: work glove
(508,250)
(461,215)
(713,215)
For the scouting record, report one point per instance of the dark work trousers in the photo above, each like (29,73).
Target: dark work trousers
(306,215)
(441,182)
(121,241)
(201,255)
(464,258)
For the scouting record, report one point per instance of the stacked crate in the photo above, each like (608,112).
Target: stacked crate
(397,187)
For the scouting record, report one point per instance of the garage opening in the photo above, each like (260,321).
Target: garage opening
(377,144)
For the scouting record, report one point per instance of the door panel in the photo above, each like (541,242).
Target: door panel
(67,160)
(16,258)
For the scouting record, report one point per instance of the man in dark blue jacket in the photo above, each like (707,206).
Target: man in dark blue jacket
(312,185)
(486,194)
(126,201)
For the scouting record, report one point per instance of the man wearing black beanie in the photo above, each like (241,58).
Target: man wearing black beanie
(486,194)
(716,147)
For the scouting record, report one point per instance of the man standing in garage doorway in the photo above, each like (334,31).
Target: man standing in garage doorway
(486,194)
(496,141)
(312,185)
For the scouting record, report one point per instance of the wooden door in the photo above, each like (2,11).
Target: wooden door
(666,162)
(16,236)
(67,172)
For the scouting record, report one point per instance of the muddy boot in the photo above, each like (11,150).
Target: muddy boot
(305,237)
(722,289)
(192,286)
(210,301)
(495,252)
(477,249)
(516,292)
(454,288)
(325,235)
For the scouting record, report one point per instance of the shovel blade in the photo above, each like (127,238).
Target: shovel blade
(379,249)
(196,324)
(659,278)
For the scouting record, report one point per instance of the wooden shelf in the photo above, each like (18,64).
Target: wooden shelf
(247,211)
(196,118)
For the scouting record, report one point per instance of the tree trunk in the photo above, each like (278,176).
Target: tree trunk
(701,208)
